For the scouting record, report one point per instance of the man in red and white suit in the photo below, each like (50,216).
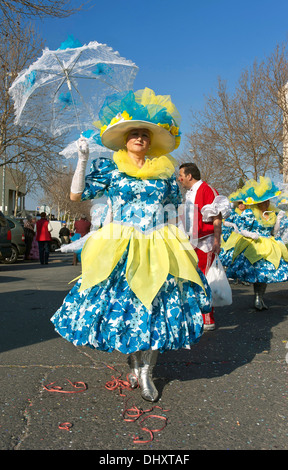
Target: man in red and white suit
(203,213)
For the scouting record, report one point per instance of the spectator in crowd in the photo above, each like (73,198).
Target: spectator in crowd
(81,228)
(43,237)
(29,232)
(64,234)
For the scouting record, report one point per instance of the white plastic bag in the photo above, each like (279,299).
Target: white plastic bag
(218,282)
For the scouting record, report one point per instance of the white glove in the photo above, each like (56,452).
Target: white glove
(231,224)
(281,214)
(248,234)
(78,180)
(83,148)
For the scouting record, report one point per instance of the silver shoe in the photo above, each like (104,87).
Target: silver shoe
(259,290)
(134,361)
(148,360)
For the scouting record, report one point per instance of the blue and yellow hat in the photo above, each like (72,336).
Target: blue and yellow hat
(123,112)
(254,192)
(282,201)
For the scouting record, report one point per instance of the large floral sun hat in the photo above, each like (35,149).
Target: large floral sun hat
(254,192)
(123,112)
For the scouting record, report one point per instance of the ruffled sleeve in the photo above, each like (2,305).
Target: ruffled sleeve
(99,178)
(220,205)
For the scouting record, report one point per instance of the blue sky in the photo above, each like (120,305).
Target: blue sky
(181,47)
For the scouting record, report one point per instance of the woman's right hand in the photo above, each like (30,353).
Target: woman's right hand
(83,148)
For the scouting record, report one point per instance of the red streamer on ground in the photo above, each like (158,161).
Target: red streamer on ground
(133,413)
(118,383)
(65,426)
(79,386)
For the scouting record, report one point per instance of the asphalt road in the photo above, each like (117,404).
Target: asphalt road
(229,392)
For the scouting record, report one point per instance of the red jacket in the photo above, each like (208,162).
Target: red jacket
(42,232)
(204,195)
(82,226)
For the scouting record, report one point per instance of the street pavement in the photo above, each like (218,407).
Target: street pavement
(229,392)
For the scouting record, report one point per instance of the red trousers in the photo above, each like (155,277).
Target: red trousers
(204,263)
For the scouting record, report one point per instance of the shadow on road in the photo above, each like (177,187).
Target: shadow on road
(241,332)
(26,317)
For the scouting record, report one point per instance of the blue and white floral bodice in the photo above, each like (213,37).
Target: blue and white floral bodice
(248,221)
(233,218)
(144,204)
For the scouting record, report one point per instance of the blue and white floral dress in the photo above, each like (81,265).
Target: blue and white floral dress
(127,299)
(264,259)
(227,255)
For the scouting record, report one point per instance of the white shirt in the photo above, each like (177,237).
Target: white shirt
(191,194)
(205,243)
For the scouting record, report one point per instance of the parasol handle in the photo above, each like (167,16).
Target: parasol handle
(68,79)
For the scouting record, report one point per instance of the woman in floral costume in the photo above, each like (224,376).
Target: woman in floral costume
(256,252)
(140,291)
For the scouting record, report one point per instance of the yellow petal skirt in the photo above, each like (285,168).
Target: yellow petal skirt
(151,257)
(268,248)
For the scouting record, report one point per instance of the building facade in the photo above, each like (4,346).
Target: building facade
(12,193)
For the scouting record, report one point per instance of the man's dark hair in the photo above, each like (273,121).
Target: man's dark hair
(191,169)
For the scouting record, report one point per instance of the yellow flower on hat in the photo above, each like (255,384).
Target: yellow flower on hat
(115,120)
(249,200)
(126,116)
(174,130)
(165,126)
(103,128)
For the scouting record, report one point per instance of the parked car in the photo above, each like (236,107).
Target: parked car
(17,240)
(5,238)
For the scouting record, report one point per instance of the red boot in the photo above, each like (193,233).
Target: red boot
(208,319)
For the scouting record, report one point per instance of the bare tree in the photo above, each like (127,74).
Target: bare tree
(13,11)
(24,151)
(240,134)
(14,14)
(57,196)
(276,81)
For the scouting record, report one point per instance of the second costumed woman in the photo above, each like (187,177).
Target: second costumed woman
(140,291)
(254,252)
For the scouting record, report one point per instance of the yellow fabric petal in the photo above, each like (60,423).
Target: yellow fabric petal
(284,251)
(241,245)
(264,248)
(254,250)
(101,252)
(147,266)
(231,241)
(182,257)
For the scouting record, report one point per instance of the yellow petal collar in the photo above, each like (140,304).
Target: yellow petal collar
(157,168)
